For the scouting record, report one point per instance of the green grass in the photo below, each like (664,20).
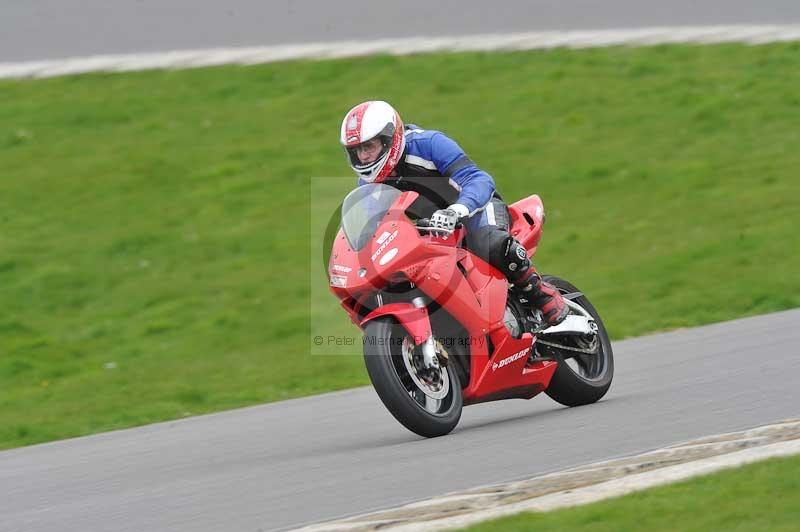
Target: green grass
(764,496)
(154,226)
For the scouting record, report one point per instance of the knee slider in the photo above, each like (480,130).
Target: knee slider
(517,264)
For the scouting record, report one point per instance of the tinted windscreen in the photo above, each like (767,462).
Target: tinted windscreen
(362,211)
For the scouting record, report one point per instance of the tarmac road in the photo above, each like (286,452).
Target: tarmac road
(50,29)
(286,464)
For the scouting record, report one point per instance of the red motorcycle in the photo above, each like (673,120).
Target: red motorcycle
(442,329)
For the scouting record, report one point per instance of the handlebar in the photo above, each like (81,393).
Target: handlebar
(424,224)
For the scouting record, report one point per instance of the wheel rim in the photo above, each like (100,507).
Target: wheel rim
(430,389)
(591,368)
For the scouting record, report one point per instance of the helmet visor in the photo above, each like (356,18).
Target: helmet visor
(367,154)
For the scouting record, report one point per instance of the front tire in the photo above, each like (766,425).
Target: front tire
(429,407)
(582,379)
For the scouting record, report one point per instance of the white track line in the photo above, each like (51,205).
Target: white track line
(416,45)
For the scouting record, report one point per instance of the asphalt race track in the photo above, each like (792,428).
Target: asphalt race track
(51,29)
(291,463)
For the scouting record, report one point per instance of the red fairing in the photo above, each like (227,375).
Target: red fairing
(469,289)
(414,320)
(527,218)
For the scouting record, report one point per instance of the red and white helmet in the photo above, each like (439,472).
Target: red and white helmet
(367,121)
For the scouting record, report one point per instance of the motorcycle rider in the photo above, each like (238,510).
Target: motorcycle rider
(382,150)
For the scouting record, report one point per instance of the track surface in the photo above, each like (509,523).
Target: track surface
(290,463)
(50,29)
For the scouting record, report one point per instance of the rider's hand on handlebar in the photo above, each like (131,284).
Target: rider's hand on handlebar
(446,219)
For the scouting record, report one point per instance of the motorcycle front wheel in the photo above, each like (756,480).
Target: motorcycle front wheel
(427,402)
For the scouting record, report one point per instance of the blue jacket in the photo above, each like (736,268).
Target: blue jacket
(430,152)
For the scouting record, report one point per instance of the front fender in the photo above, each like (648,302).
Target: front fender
(414,320)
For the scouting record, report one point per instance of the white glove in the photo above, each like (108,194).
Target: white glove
(462,210)
(446,219)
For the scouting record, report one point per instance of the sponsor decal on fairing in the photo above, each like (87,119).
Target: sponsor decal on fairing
(388,256)
(509,359)
(339,281)
(384,245)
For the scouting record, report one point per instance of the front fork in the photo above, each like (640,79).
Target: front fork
(429,356)
(415,320)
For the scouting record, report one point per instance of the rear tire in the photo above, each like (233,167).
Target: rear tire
(589,381)
(384,353)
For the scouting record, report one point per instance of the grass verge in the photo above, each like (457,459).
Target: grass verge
(154,225)
(761,496)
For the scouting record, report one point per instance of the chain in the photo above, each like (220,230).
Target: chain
(567,348)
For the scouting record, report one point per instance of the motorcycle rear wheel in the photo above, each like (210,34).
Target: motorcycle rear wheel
(429,407)
(582,379)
